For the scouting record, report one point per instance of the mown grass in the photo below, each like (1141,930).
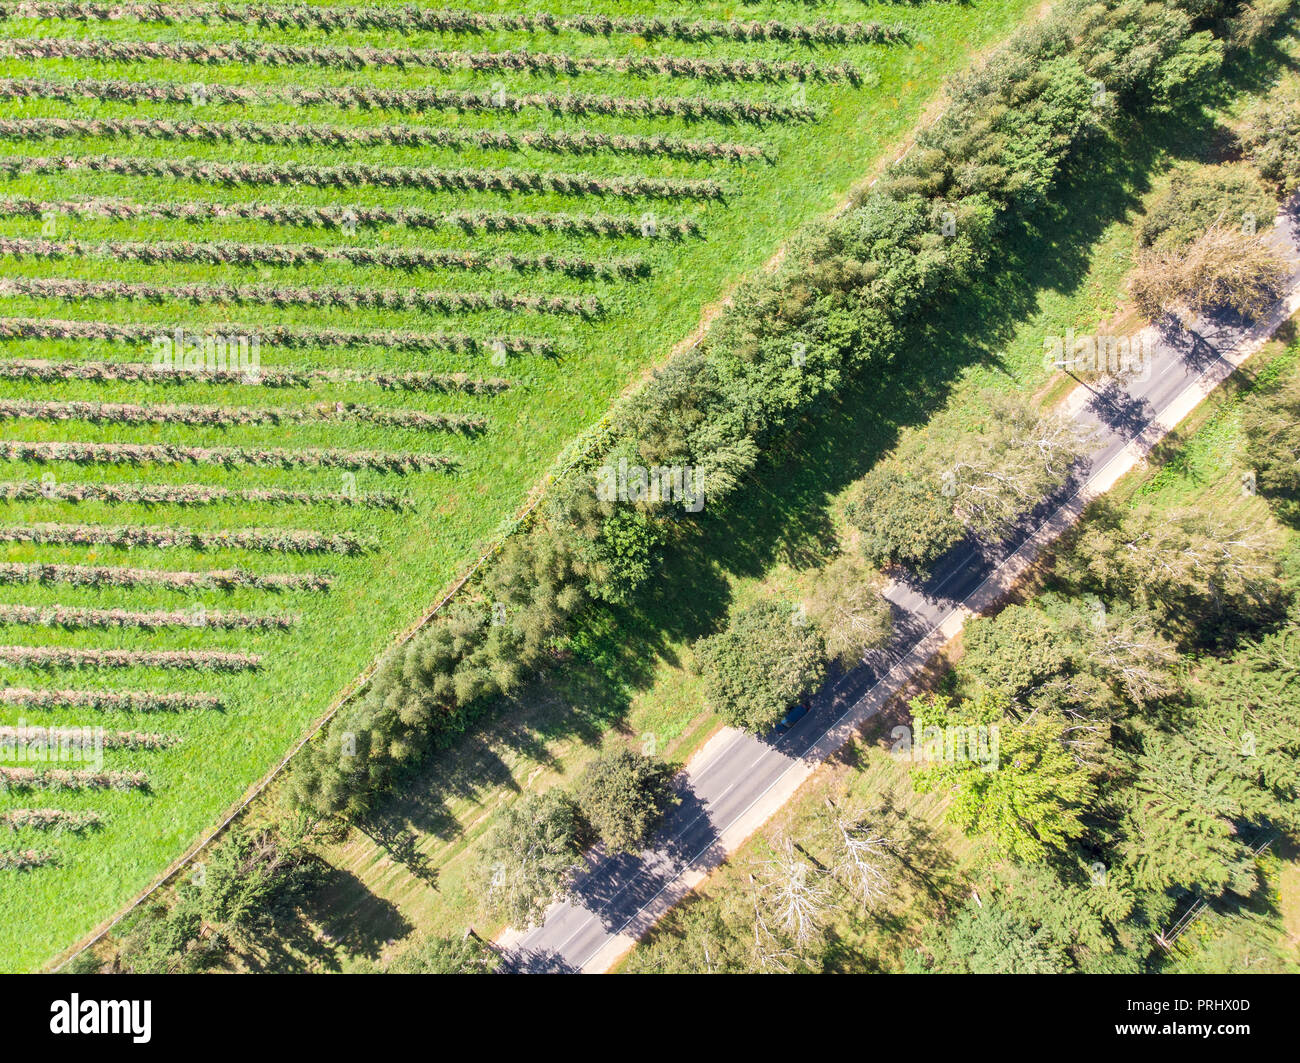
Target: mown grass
(453,515)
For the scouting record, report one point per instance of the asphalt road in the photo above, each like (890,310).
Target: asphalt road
(622,895)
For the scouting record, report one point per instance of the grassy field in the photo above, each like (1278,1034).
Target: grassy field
(622,307)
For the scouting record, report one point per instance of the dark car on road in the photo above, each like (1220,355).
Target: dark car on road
(792,717)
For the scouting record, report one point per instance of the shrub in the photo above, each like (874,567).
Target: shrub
(687,108)
(272,457)
(1272,140)
(425,300)
(127,536)
(59,820)
(355,175)
(60,657)
(273,335)
(360,58)
(24,859)
(108,700)
(175,579)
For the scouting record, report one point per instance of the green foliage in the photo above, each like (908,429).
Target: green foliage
(760,665)
(430,954)
(1030,801)
(962,472)
(623,796)
(1191,568)
(1272,139)
(847,607)
(904,518)
(988,939)
(1271,424)
(1201,196)
(228,900)
(844,302)
(529,856)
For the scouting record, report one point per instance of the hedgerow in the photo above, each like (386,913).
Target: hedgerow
(19,328)
(688,108)
(116,576)
(559,142)
(271,457)
(846,303)
(56,738)
(21,779)
(53,819)
(280,540)
(76,617)
(425,300)
(108,700)
(225,416)
(311,217)
(147,372)
(192,494)
(242,254)
(361,58)
(60,657)
(411,19)
(25,859)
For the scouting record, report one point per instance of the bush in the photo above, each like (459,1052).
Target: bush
(1272,140)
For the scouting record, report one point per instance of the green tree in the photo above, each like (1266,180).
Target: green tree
(847,607)
(529,856)
(623,796)
(1190,567)
(986,938)
(1271,423)
(1031,799)
(903,516)
(759,665)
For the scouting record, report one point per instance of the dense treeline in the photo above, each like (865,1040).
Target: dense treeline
(842,305)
